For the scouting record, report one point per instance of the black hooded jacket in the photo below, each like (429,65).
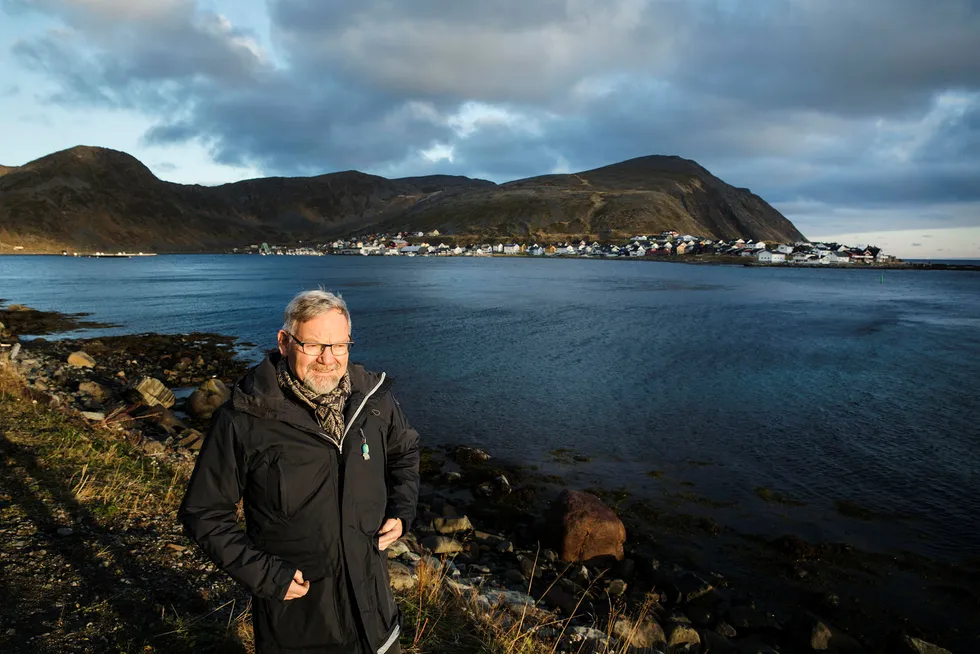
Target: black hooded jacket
(310,503)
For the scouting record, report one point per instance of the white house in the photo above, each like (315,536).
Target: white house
(837,257)
(765,256)
(761,245)
(512,248)
(782,248)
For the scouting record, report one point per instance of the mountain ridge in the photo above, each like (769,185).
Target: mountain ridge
(91,198)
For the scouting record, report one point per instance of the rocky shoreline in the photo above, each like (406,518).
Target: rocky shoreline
(492,529)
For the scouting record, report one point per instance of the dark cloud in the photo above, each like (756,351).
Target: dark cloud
(831,102)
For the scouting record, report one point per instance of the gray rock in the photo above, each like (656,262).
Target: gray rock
(716,643)
(442,544)
(398,548)
(819,635)
(683,639)
(401,578)
(81,359)
(452,525)
(507,597)
(94,416)
(65,531)
(725,629)
(754,646)
(192,439)
(617,587)
(14,351)
(529,567)
(505,547)
(644,634)
(452,476)
(514,577)
(579,574)
(155,393)
(586,639)
(911,645)
(95,390)
(470,455)
(748,617)
(702,616)
(687,587)
(152,447)
(203,402)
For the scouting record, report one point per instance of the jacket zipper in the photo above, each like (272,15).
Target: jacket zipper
(340,445)
(353,418)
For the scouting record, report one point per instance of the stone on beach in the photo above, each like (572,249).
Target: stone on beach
(192,439)
(644,634)
(210,395)
(905,644)
(155,393)
(400,576)
(585,529)
(452,525)
(81,359)
(683,639)
(442,544)
(95,390)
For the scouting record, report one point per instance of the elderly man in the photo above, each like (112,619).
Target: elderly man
(327,466)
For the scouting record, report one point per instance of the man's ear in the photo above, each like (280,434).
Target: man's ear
(283,340)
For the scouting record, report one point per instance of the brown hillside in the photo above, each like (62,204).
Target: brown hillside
(90,198)
(640,196)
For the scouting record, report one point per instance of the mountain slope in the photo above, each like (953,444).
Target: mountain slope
(89,198)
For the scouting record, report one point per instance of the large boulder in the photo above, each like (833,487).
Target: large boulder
(585,529)
(153,393)
(203,402)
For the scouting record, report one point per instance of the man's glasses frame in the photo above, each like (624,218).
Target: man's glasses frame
(317,349)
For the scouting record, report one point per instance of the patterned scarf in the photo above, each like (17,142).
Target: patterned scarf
(328,408)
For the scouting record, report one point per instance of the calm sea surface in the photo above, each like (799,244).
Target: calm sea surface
(824,385)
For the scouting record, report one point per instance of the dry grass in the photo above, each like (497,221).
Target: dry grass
(442,617)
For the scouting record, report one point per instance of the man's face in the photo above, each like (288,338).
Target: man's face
(320,374)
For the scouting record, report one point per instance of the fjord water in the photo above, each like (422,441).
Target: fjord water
(823,385)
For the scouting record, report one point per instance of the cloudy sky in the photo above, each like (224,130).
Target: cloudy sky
(858,119)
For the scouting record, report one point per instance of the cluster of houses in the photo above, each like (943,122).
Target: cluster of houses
(665,244)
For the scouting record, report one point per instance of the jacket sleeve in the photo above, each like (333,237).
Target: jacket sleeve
(209,508)
(403,468)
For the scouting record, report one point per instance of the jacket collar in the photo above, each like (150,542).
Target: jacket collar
(258,394)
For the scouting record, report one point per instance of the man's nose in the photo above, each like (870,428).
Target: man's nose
(326,356)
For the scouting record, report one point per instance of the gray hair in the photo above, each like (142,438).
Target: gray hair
(310,304)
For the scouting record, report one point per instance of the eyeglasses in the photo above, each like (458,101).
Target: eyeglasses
(317,349)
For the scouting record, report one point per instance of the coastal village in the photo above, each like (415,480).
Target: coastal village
(665,244)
